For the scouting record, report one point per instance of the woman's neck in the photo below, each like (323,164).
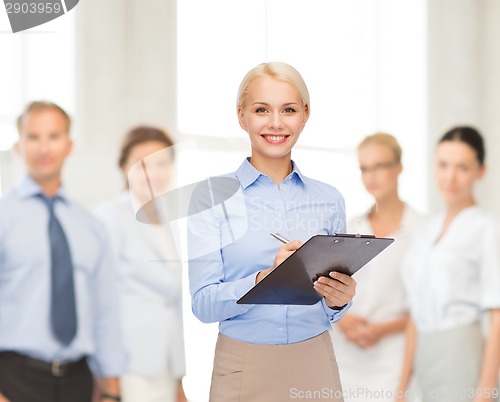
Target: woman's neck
(387,208)
(386,215)
(276,169)
(453,209)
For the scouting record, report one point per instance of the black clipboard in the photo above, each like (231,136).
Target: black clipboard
(291,282)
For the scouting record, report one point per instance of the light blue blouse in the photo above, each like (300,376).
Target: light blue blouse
(229,243)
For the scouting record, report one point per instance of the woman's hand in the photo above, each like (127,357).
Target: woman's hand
(350,325)
(338,289)
(181,396)
(487,389)
(285,251)
(369,335)
(360,331)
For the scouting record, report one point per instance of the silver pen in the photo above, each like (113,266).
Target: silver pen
(280,238)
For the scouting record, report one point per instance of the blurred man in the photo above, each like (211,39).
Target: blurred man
(58,311)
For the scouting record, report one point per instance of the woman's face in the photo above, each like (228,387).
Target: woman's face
(273,117)
(379,170)
(153,174)
(457,169)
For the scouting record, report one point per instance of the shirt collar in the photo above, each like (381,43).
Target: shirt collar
(27,187)
(247,174)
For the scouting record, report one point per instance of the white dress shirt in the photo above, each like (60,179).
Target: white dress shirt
(451,281)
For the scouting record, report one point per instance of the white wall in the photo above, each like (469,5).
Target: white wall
(489,94)
(464,83)
(126,76)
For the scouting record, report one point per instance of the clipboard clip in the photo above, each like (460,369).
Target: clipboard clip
(357,235)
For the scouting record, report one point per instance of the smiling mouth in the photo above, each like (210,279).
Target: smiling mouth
(275,139)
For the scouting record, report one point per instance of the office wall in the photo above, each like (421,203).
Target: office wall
(490,98)
(464,84)
(126,76)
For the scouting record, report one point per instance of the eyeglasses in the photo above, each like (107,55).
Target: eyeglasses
(379,167)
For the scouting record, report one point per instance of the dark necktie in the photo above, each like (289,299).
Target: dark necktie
(62,301)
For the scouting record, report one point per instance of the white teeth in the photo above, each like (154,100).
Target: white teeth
(275,137)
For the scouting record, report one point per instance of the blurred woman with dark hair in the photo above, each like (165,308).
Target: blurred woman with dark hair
(149,271)
(452,278)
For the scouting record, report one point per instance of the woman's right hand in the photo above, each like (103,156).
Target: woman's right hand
(285,251)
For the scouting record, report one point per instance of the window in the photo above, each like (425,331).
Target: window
(36,64)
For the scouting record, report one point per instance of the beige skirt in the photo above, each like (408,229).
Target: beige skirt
(448,364)
(246,372)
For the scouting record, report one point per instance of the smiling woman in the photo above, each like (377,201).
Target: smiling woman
(273,113)
(264,351)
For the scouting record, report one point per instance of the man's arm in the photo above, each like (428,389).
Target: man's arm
(109,355)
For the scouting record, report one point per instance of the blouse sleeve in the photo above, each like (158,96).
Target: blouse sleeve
(339,223)
(213,299)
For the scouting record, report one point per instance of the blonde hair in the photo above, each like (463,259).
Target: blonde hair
(386,140)
(276,70)
(37,106)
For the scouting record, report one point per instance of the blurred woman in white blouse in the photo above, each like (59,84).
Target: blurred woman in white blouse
(149,271)
(369,340)
(452,276)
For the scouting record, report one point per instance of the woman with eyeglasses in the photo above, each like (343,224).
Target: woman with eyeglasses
(369,340)
(452,277)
